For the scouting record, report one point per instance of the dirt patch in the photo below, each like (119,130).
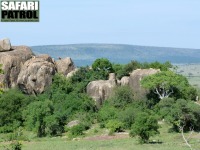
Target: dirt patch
(108,137)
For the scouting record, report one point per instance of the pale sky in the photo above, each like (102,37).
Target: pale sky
(167,23)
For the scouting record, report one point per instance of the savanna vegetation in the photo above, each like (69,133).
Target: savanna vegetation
(170,101)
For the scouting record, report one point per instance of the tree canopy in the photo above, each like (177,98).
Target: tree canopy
(167,83)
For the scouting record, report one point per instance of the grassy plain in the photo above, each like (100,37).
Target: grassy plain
(192,72)
(169,141)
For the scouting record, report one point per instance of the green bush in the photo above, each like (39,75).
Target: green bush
(16,145)
(115,126)
(12,103)
(128,116)
(77,130)
(122,96)
(102,66)
(107,112)
(186,114)
(36,116)
(144,127)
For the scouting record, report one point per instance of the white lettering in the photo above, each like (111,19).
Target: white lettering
(30,5)
(4,5)
(11,5)
(36,6)
(23,6)
(17,5)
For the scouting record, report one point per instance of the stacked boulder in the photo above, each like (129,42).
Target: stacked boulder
(101,90)
(32,74)
(12,59)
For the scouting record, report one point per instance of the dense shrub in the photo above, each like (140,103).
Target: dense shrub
(144,127)
(36,116)
(180,113)
(77,130)
(115,126)
(122,96)
(102,66)
(128,116)
(107,112)
(184,113)
(12,103)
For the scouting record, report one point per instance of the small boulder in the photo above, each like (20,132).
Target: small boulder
(5,45)
(65,66)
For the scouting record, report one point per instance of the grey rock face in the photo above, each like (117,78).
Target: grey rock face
(65,66)
(124,81)
(135,78)
(5,45)
(69,75)
(100,90)
(12,62)
(36,74)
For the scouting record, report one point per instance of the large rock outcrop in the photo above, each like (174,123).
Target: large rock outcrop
(36,74)
(101,89)
(32,74)
(12,62)
(5,45)
(135,78)
(65,66)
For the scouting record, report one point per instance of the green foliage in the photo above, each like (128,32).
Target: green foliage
(12,103)
(164,107)
(128,116)
(37,116)
(180,113)
(77,130)
(184,113)
(115,126)
(157,65)
(122,96)
(61,85)
(107,112)
(16,145)
(69,99)
(102,66)
(145,126)
(167,83)
(85,75)
(133,65)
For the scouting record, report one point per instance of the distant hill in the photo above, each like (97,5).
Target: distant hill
(85,54)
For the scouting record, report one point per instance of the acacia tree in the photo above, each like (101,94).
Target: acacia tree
(167,83)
